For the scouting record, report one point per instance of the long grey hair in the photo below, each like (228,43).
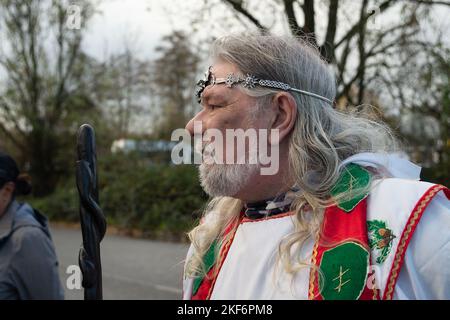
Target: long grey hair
(321,139)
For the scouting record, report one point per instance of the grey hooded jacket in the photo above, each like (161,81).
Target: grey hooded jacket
(28,262)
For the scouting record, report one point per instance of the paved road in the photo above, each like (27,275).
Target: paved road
(132,268)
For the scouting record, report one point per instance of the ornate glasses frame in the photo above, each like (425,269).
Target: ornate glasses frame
(249,82)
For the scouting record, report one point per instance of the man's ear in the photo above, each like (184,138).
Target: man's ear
(285,110)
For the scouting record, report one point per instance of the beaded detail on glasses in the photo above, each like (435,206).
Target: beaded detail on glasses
(249,82)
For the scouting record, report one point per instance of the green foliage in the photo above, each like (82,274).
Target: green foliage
(380,239)
(161,201)
(62,205)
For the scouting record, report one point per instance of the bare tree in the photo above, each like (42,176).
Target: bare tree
(174,77)
(43,86)
(125,90)
(420,80)
(344,34)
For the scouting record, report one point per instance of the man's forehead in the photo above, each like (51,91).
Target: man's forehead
(222,69)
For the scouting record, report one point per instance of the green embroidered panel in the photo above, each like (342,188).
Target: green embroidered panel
(380,239)
(353,177)
(208,261)
(345,272)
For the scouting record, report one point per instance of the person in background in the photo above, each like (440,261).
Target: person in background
(28,262)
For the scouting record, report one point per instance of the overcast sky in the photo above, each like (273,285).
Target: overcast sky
(125,21)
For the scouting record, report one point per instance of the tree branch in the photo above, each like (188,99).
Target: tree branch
(431,2)
(292,20)
(310,21)
(9,135)
(362,53)
(327,49)
(354,30)
(237,5)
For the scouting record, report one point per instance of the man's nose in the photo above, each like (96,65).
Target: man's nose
(197,119)
(190,127)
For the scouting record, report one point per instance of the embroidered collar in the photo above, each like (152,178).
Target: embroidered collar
(353,178)
(270,207)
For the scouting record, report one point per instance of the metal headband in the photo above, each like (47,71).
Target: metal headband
(250,82)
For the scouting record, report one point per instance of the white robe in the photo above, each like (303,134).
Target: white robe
(250,270)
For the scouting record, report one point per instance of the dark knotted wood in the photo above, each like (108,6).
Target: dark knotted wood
(92,219)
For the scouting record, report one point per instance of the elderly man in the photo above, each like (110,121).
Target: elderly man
(344,216)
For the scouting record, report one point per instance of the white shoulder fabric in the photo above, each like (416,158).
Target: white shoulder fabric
(425,274)
(394,165)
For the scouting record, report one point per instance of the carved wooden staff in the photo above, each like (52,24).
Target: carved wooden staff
(92,219)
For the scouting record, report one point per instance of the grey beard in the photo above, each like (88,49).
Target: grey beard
(226,180)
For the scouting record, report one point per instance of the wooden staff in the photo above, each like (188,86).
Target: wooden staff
(92,219)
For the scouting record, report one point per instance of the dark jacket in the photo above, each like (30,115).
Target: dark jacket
(28,262)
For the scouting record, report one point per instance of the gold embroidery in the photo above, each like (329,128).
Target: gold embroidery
(405,237)
(340,285)
(312,276)
(373,284)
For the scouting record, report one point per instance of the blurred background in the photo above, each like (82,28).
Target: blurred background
(129,68)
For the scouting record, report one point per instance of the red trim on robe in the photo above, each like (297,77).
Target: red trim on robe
(407,234)
(207,286)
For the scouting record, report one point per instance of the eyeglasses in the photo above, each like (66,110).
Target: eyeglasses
(249,82)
